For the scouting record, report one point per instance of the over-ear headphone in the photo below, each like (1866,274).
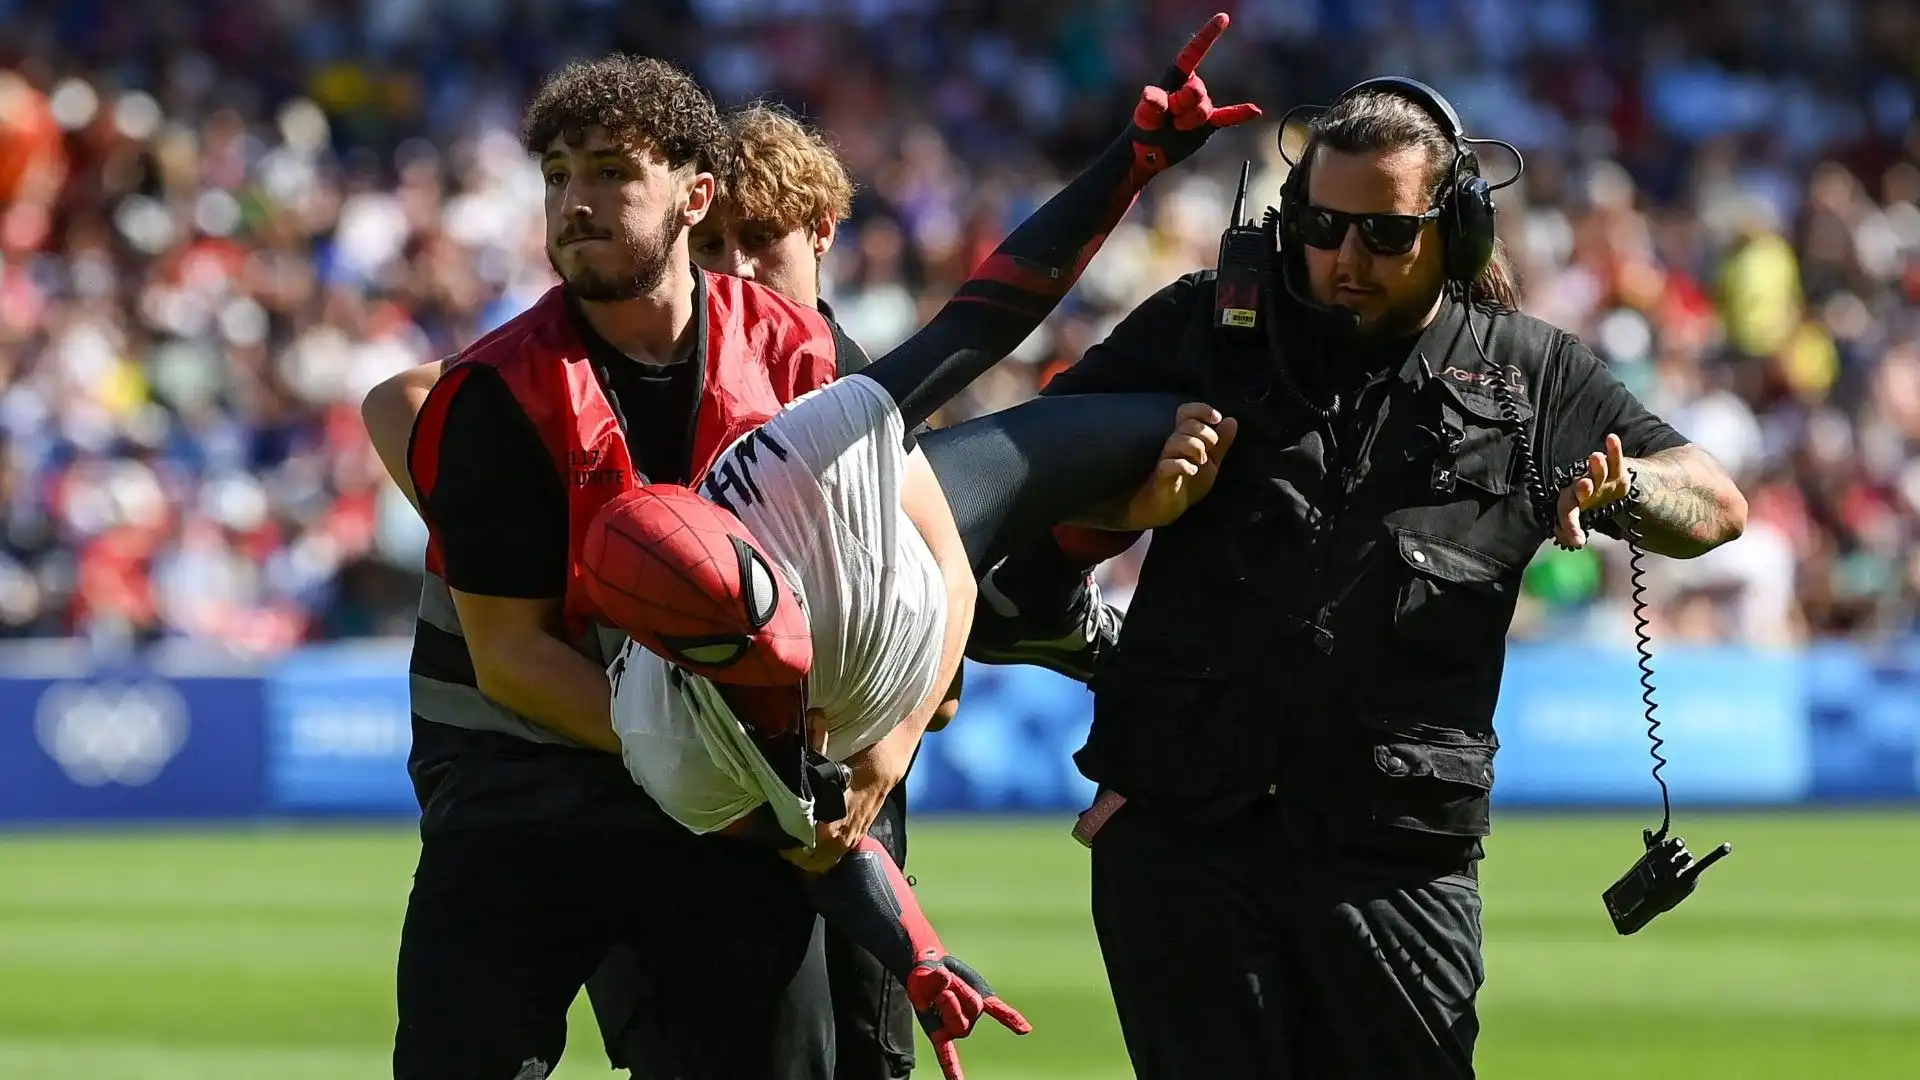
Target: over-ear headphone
(1465,198)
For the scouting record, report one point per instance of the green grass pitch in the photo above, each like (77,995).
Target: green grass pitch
(225,955)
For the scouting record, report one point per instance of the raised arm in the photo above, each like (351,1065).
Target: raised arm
(1025,278)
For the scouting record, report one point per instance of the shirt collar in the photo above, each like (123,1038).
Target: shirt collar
(604,353)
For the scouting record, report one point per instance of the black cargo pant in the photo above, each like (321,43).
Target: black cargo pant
(1234,954)
(536,861)
(873,1021)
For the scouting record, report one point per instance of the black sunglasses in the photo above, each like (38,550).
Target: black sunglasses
(1383,234)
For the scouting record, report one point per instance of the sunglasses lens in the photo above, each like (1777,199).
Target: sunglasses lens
(1323,229)
(1390,235)
(1383,234)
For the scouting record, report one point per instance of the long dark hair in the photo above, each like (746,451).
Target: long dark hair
(1382,122)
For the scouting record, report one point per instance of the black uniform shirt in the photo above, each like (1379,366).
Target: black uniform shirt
(501,511)
(1142,356)
(1289,609)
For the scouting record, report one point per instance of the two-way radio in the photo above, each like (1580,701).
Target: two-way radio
(1245,265)
(1243,293)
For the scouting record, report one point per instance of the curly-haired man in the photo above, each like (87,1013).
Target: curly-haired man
(538,850)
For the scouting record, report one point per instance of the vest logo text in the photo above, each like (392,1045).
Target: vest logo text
(586,469)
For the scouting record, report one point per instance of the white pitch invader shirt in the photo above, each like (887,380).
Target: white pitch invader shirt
(819,486)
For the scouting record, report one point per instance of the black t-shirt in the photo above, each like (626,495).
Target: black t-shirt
(499,508)
(1142,355)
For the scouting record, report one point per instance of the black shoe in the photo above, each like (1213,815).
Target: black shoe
(1070,643)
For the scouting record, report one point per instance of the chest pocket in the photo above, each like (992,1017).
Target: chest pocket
(1487,459)
(1452,599)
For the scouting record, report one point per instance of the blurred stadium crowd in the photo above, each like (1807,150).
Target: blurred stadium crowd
(222,221)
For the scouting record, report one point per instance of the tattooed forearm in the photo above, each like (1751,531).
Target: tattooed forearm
(1688,504)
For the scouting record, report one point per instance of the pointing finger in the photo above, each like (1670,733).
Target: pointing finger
(1196,48)
(1008,1016)
(948,1055)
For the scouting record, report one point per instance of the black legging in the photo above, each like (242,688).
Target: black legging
(1012,474)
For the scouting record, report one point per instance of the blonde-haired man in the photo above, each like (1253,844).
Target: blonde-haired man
(785,197)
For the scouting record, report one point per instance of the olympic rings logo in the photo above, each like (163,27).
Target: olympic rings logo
(107,733)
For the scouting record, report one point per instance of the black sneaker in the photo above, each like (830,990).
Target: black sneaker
(1071,645)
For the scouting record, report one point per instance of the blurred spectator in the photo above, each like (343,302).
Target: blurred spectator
(221,223)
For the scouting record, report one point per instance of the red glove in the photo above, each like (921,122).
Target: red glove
(949,998)
(1176,116)
(866,898)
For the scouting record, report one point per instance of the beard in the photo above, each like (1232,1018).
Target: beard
(647,252)
(1399,319)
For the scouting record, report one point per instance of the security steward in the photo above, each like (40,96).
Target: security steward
(538,852)
(1294,738)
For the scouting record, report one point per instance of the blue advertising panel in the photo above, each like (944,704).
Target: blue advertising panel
(327,731)
(130,744)
(1572,727)
(1863,712)
(339,728)
(1010,749)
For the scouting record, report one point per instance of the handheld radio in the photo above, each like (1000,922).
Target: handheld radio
(1666,871)
(1244,264)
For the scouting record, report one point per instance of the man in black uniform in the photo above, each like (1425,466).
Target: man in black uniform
(1294,737)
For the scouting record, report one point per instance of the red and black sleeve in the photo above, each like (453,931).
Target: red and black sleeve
(1026,277)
